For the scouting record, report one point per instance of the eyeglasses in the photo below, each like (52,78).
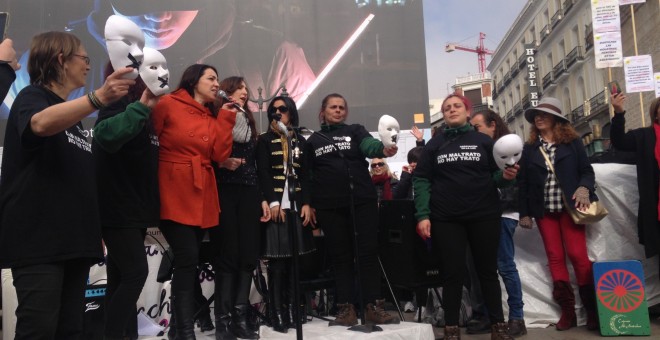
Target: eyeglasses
(334,107)
(84,57)
(282,109)
(379,164)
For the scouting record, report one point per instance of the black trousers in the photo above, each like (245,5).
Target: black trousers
(236,241)
(51,300)
(452,238)
(185,242)
(337,225)
(127,271)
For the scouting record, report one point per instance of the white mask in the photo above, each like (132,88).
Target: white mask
(124,41)
(388,129)
(507,151)
(154,71)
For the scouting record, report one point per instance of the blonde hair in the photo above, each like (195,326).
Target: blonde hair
(385,166)
(44,67)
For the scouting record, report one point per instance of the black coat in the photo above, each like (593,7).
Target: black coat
(642,142)
(573,170)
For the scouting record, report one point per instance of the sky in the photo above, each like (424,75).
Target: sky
(461,21)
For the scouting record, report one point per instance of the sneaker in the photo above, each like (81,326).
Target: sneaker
(375,314)
(517,327)
(345,317)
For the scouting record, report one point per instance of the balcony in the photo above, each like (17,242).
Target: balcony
(548,80)
(480,108)
(514,70)
(559,69)
(517,110)
(576,114)
(507,78)
(557,17)
(500,86)
(522,61)
(598,103)
(494,94)
(588,37)
(568,4)
(545,32)
(574,56)
(526,102)
(510,117)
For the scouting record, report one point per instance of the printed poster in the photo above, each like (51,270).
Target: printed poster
(639,73)
(608,49)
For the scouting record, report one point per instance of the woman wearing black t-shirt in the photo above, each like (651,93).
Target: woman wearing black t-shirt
(50,232)
(125,151)
(457,203)
(236,239)
(340,176)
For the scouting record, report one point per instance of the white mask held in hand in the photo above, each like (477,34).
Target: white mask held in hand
(154,72)
(507,151)
(388,129)
(124,41)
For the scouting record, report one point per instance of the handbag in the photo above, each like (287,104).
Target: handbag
(594,213)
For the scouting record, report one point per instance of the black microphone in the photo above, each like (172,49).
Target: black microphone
(222,94)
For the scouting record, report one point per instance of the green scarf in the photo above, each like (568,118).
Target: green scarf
(457,131)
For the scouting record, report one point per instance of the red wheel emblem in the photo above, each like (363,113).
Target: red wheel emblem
(620,291)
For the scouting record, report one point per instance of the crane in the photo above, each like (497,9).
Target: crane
(480,50)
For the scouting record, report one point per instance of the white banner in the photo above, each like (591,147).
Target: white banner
(630,2)
(605,16)
(657,85)
(639,73)
(608,49)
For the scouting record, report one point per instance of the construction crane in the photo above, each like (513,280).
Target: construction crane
(480,50)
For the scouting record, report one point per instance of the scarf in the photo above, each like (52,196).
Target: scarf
(457,131)
(656,128)
(283,141)
(384,180)
(241,131)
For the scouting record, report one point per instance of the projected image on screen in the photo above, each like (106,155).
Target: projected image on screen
(370,51)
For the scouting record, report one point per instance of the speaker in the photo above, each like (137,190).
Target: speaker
(408,260)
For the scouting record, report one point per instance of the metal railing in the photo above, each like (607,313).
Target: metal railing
(559,69)
(509,116)
(597,103)
(576,114)
(574,56)
(547,80)
(522,61)
(517,109)
(568,4)
(526,102)
(588,37)
(556,17)
(545,32)
(514,70)
(507,78)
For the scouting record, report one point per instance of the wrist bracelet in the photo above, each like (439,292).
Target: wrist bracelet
(94,100)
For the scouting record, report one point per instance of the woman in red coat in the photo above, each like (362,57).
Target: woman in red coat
(191,133)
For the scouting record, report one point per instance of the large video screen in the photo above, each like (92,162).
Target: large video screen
(370,51)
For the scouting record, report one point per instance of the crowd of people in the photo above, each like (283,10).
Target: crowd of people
(192,163)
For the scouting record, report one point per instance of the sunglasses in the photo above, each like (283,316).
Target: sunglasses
(282,109)
(379,164)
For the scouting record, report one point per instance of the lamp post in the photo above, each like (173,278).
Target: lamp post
(597,142)
(260,101)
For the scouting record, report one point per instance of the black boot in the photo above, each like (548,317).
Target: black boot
(184,309)
(171,333)
(222,325)
(278,321)
(203,319)
(278,314)
(239,324)
(302,315)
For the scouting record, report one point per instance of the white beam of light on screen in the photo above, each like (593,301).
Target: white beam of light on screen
(335,59)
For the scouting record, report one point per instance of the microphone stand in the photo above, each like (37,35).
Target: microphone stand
(260,100)
(363,327)
(293,225)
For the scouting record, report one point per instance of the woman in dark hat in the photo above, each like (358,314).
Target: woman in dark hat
(540,197)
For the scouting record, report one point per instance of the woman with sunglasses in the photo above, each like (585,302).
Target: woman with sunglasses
(192,132)
(272,166)
(347,207)
(384,180)
(236,239)
(50,233)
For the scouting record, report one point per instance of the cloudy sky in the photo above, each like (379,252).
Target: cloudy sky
(461,21)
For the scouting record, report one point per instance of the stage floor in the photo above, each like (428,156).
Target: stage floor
(318,329)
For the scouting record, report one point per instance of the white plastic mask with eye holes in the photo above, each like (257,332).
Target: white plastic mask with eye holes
(154,71)
(388,130)
(507,151)
(124,41)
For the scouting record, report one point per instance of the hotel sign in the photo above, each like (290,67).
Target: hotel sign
(532,74)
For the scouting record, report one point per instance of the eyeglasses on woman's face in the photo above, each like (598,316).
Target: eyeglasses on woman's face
(376,165)
(83,57)
(281,109)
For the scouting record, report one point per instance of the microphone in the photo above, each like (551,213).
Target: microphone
(222,94)
(282,128)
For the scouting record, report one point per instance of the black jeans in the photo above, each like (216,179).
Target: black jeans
(185,242)
(452,238)
(127,271)
(337,225)
(51,299)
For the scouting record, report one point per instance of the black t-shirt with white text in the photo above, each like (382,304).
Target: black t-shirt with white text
(461,176)
(330,181)
(48,205)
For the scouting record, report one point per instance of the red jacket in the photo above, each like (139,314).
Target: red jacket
(190,138)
